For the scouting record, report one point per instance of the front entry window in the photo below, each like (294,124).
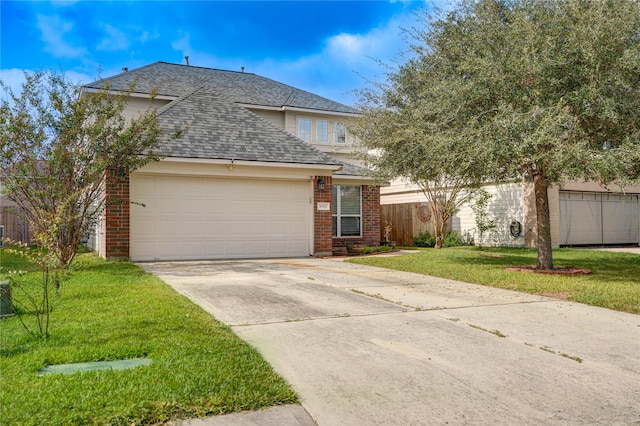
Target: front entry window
(347,211)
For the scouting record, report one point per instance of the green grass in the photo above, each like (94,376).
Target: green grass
(114,310)
(614,283)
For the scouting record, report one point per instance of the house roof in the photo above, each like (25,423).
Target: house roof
(210,103)
(246,88)
(220,129)
(349,169)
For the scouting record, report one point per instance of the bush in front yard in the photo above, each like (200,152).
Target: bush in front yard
(451,239)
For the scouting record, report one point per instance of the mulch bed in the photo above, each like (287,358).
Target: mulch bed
(560,270)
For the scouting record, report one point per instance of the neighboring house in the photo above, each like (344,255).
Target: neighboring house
(581,213)
(261,171)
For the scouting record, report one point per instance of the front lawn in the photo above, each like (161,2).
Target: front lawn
(614,283)
(115,310)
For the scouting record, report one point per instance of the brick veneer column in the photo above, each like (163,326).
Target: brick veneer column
(117,212)
(322,232)
(371,214)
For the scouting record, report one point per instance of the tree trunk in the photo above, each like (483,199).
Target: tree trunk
(439,237)
(435,214)
(545,257)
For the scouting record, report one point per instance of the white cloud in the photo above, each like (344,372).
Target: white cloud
(347,62)
(78,77)
(53,30)
(14,77)
(115,39)
(182,44)
(146,36)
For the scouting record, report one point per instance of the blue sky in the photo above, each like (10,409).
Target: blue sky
(328,48)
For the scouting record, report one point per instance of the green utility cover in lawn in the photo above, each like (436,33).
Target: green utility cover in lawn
(121,364)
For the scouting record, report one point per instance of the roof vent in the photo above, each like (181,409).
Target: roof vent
(125,69)
(186,58)
(242,68)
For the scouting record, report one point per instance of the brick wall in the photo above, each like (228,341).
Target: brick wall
(117,212)
(322,231)
(371,215)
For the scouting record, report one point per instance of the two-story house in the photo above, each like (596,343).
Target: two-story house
(262,170)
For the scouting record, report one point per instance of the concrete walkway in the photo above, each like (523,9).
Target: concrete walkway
(628,249)
(369,346)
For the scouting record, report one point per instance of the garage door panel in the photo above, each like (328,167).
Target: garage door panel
(193,188)
(297,227)
(206,218)
(237,249)
(239,207)
(216,248)
(258,229)
(166,206)
(166,187)
(146,227)
(598,218)
(146,188)
(257,207)
(191,249)
(258,247)
(192,228)
(621,219)
(192,206)
(280,246)
(278,227)
(144,204)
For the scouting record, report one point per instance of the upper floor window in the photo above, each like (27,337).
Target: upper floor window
(339,133)
(304,129)
(322,131)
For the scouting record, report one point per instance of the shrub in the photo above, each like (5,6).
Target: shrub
(424,240)
(451,239)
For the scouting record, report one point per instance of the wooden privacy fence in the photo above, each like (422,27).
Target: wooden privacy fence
(407,220)
(13,225)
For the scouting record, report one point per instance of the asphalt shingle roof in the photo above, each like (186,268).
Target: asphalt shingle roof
(178,80)
(208,103)
(349,169)
(217,128)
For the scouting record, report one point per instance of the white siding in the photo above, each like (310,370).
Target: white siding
(506,206)
(399,192)
(274,117)
(137,106)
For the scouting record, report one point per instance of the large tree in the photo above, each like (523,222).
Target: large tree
(60,146)
(540,90)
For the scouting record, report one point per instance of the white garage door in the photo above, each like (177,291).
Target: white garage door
(207,218)
(599,218)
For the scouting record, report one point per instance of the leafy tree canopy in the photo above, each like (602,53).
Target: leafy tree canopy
(540,90)
(59,145)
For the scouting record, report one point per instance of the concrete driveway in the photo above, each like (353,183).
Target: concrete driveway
(368,346)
